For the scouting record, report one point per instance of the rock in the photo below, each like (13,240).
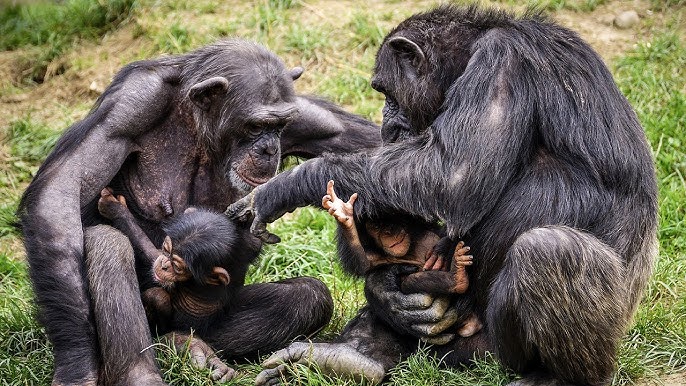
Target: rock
(626,20)
(96,87)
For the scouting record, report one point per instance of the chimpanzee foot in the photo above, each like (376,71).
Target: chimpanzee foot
(336,359)
(202,356)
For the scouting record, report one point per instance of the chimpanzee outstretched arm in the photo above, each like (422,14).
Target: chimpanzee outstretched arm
(114,209)
(466,158)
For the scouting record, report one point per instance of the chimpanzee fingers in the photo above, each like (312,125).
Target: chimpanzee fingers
(459,245)
(463,260)
(330,191)
(326,202)
(220,371)
(122,200)
(438,264)
(292,354)
(430,261)
(415,302)
(352,199)
(271,377)
(461,250)
(106,191)
(429,330)
(260,231)
(439,340)
(423,321)
(241,210)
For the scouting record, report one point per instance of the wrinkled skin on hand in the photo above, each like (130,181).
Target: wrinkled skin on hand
(332,358)
(202,355)
(244,211)
(420,315)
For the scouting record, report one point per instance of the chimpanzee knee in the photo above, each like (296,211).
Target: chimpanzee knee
(558,306)
(268,316)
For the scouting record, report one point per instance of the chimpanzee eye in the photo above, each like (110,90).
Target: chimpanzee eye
(177,269)
(255,130)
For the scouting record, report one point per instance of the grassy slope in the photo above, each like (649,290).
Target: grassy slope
(336,43)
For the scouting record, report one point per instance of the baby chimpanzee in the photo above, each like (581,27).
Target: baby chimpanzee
(400,242)
(198,267)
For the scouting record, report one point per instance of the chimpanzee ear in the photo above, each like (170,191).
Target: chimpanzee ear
(219,276)
(409,51)
(295,72)
(167,245)
(203,94)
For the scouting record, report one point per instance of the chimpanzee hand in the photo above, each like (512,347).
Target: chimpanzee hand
(244,210)
(440,255)
(416,314)
(111,207)
(201,354)
(341,210)
(337,359)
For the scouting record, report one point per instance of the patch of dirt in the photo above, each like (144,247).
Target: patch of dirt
(90,67)
(597,27)
(668,380)
(64,98)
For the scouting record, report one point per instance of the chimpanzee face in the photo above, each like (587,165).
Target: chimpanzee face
(252,112)
(255,154)
(413,98)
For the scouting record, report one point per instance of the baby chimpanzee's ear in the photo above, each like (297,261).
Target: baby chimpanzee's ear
(218,276)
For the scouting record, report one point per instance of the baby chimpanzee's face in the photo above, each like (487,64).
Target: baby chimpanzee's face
(395,241)
(170,268)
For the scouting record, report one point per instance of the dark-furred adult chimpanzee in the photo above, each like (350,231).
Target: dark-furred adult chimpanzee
(200,129)
(512,132)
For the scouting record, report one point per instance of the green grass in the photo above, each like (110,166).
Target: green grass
(54,26)
(652,78)
(337,49)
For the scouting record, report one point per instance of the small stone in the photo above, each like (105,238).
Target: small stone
(626,20)
(96,87)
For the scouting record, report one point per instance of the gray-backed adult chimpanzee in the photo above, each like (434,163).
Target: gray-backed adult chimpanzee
(512,132)
(198,129)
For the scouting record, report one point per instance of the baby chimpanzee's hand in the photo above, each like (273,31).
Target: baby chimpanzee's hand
(340,210)
(111,207)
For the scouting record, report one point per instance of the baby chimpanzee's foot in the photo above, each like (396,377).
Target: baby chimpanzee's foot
(470,326)
(460,261)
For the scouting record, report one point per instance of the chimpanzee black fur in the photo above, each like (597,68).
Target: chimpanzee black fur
(197,129)
(512,131)
(206,295)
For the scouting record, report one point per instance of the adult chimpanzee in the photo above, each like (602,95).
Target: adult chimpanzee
(515,135)
(198,129)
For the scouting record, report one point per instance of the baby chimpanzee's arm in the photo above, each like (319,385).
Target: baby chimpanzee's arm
(115,209)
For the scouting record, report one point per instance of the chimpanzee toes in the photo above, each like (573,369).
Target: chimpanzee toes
(270,377)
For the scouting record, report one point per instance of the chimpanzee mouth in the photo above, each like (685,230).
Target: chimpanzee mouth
(254,182)
(243,183)
(398,242)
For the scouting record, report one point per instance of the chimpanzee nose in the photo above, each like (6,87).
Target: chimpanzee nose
(271,149)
